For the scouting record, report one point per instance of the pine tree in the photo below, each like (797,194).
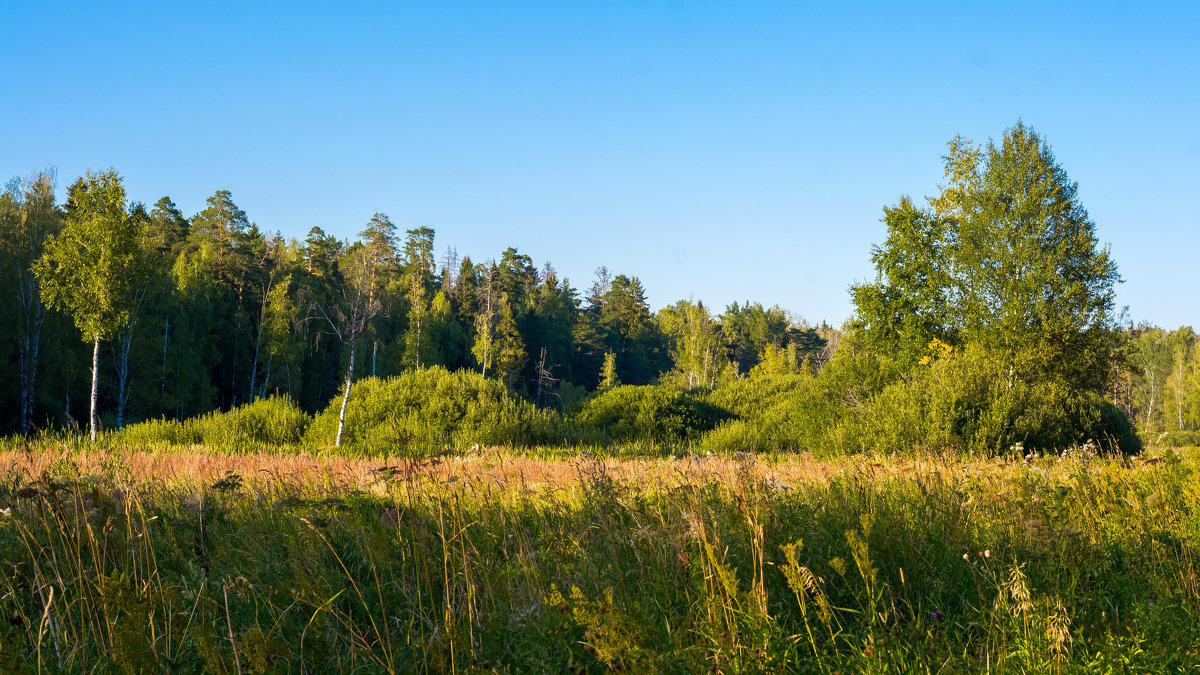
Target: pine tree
(509,347)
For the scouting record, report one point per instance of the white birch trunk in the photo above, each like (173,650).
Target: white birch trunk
(345,399)
(94,422)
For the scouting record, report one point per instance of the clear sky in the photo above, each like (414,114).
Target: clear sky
(718,150)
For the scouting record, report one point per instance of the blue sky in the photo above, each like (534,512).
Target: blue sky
(721,151)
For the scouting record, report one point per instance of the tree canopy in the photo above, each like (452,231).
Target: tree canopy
(1005,257)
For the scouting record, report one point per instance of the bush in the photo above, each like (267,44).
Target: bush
(967,402)
(650,413)
(749,396)
(268,421)
(432,408)
(963,402)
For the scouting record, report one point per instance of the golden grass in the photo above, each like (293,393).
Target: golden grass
(502,468)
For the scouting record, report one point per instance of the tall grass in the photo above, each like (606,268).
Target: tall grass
(497,563)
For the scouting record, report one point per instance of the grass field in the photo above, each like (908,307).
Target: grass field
(198,560)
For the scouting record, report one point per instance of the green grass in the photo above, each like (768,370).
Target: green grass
(125,561)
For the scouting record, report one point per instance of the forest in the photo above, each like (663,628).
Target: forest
(212,312)
(185,315)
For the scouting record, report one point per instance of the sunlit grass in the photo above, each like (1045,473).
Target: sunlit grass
(222,560)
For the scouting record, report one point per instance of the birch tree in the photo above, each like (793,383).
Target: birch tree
(88,268)
(278,341)
(484,348)
(1152,355)
(1006,257)
(418,281)
(695,342)
(349,313)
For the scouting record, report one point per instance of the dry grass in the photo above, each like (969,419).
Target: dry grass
(503,468)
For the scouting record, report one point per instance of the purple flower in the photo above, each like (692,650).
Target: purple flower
(937,614)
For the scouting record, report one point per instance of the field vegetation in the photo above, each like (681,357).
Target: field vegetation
(202,559)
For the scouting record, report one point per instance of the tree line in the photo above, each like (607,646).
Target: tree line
(991,321)
(127,311)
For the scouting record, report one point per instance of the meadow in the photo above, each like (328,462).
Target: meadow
(140,557)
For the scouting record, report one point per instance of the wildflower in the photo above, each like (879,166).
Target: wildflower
(967,557)
(987,553)
(937,614)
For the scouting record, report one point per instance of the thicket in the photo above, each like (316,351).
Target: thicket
(426,410)
(958,402)
(653,414)
(272,421)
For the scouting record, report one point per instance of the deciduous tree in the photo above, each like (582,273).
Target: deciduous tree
(88,268)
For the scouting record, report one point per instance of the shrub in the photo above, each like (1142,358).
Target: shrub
(962,402)
(967,402)
(803,415)
(650,413)
(268,421)
(432,408)
(748,396)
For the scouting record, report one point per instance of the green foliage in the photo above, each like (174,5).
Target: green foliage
(510,348)
(1171,439)
(748,396)
(909,304)
(695,344)
(89,267)
(274,421)
(429,409)
(1005,267)
(785,413)
(1160,388)
(966,402)
(655,414)
(1034,286)
(953,401)
(749,330)
(233,313)
(608,373)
